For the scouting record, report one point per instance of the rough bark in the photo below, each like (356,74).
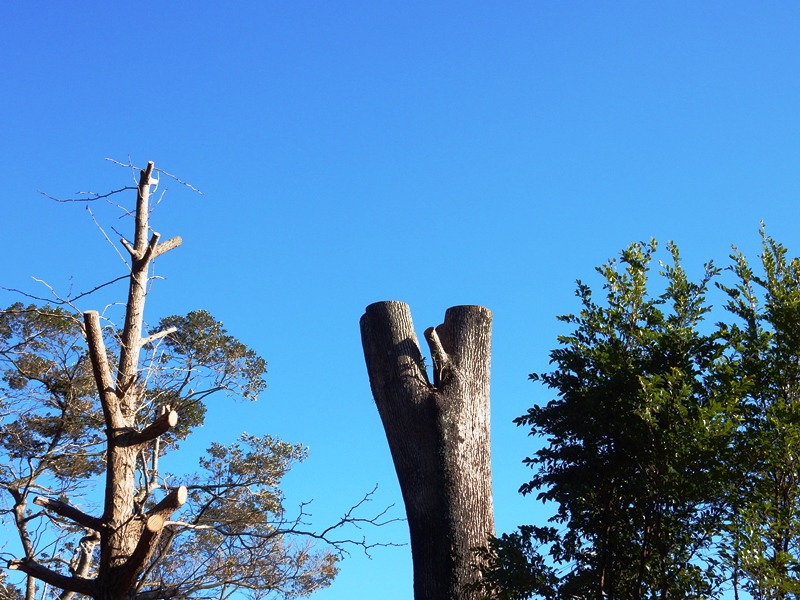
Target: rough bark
(438,434)
(124,530)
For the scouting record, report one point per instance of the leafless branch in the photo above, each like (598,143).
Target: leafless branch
(35,569)
(90,196)
(171,243)
(130,165)
(348,519)
(190,186)
(59,301)
(108,239)
(70,512)
(157,336)
(100,368)
(296,526)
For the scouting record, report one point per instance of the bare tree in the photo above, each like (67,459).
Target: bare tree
(438,433)
(81,399)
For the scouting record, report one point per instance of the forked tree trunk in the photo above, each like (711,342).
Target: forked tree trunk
(438,433)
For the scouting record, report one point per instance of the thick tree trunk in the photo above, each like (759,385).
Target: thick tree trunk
(438,434)
(126,541)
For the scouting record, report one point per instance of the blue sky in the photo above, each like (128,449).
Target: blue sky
(438,153)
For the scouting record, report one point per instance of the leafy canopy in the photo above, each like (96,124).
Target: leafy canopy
(670,450)
(632,443)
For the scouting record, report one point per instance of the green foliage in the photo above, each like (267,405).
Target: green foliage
(234,529)
(633,438)
(512,566)
(198,359)
(249,477)
(52,442)
(763,546)
(671,448)
(204,348)
(47,375)
(53,419)
(8,591)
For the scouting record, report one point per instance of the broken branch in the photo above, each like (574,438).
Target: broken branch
(102,372)
(34,569)
(166,421)
(70,512)
(154,524)
(157,336)
(167,246)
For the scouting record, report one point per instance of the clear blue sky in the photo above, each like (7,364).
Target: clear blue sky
(438,153)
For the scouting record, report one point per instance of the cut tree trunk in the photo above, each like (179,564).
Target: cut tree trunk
(438,434)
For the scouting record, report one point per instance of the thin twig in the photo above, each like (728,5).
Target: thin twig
(160,198)
(108,239)
(170,175)
(59,300)
(92,196)
(189,185)
(129,165)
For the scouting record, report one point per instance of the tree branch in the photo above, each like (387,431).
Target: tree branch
(166,421)
(61,301)
(441,362)
(64,582)
(347,519)
(81,566)
(294,527)
(91,196)
(130,165)
(151,246)
(102,372)
(142,212)
(167,246)
(150,534)
(160,593)
(157,336)
(105,235)
(126,244)
(134,307)
(70,512)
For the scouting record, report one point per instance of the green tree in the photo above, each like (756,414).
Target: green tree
(763,542)
(633,440)
(88,411)
(513,566)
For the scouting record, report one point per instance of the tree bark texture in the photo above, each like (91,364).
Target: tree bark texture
(438,434)
(126,541)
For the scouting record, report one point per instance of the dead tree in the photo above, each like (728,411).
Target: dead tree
(438,433)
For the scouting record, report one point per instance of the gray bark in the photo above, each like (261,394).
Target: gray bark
(438,434)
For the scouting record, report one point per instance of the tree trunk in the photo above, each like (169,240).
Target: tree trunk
(126,541)
(438,434)
(127,534)
(125,546)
